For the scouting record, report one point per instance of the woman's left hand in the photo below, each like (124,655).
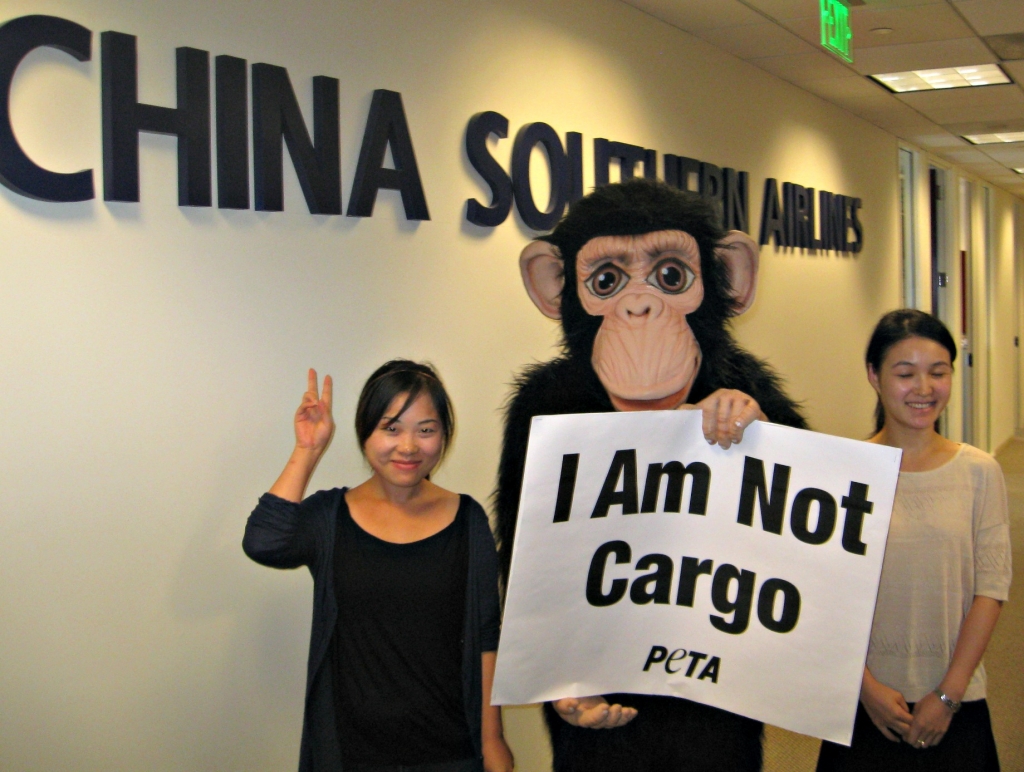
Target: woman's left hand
(931,720)
(727,412)
(497,755)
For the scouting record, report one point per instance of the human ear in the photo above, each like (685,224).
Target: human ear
(544,276)
(741,255)
(873,379)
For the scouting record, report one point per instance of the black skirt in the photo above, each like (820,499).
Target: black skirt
(968,746)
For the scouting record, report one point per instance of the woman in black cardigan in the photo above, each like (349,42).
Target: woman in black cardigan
(405,617)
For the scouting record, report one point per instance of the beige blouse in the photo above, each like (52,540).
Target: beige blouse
(949,540)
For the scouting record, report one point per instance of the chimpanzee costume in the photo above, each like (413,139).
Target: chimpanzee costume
(675,280)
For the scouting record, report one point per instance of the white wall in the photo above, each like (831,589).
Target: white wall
(153,355)
(1004,354)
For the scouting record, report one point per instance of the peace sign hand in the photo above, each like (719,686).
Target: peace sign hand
(314,424)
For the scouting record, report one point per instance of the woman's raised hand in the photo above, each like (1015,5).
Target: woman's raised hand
(314,424)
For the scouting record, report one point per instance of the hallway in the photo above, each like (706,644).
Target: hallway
(1004,660)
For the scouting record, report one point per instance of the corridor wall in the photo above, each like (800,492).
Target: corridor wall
(152,354)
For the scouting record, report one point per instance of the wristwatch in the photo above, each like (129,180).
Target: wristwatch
(949,702)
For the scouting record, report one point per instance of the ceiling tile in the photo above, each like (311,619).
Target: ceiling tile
(1015,70)
(908,131)
(984,127)
(937,139)
(993,17)
(896,3)
(786,9)
(751,41)
(906,28)
(967,155)
(1006,46)
(892,115)
(1008,155)
(921,56)
(805,68)
(996,113)
(809,29)
(988,170)
(852,89)
(918,24)
(965,99)
(693,15)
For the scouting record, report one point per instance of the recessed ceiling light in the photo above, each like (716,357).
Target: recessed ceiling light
(950,77)
(882,30)
(991,139)
(1018,170)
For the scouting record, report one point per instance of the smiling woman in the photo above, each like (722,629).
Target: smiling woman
(945,574)
(405,616)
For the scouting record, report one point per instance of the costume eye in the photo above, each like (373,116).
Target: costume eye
(606,280)
(672,276)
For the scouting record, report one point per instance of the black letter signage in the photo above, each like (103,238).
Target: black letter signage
(124,118)
(275,114)
(385,126)
(17,171)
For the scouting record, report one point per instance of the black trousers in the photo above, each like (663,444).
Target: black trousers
(668,734)
(968,746)
(468,765)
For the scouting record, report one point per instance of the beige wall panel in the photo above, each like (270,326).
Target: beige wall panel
(1004,352)
(153,355)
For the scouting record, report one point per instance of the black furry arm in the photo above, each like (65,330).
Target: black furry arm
(552,388)
(733,368)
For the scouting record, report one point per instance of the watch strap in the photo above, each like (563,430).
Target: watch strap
(949,702)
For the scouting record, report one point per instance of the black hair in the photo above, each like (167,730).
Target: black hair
(899,325)
(402,376)
(632,208)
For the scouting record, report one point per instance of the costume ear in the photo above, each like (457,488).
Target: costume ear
(544,276)
(741,255)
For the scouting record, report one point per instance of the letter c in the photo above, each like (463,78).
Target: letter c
(18,172)
(595,578)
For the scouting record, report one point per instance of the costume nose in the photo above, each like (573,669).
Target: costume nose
(639,304)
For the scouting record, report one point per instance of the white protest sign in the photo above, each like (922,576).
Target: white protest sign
(646,561)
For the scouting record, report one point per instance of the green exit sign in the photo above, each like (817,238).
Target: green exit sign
(835,28)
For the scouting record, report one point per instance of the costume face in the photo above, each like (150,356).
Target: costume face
(914,382)
(643,286)
(405,448)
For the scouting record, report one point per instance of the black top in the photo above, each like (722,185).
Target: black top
(282,534)
(397,648)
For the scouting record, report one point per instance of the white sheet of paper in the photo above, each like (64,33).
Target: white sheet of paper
(556,643)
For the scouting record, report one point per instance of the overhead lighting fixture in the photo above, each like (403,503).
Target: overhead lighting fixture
(1018,170)
(991,139)
(949,77)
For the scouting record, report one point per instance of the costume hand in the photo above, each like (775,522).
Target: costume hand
(314,424)
(931,720)
(727,413)
(593,712)
(886,707)
(497,755)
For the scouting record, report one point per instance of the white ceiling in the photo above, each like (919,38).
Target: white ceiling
(783,37)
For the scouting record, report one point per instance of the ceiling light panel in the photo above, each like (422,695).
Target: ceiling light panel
(948,77)
(991,139)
